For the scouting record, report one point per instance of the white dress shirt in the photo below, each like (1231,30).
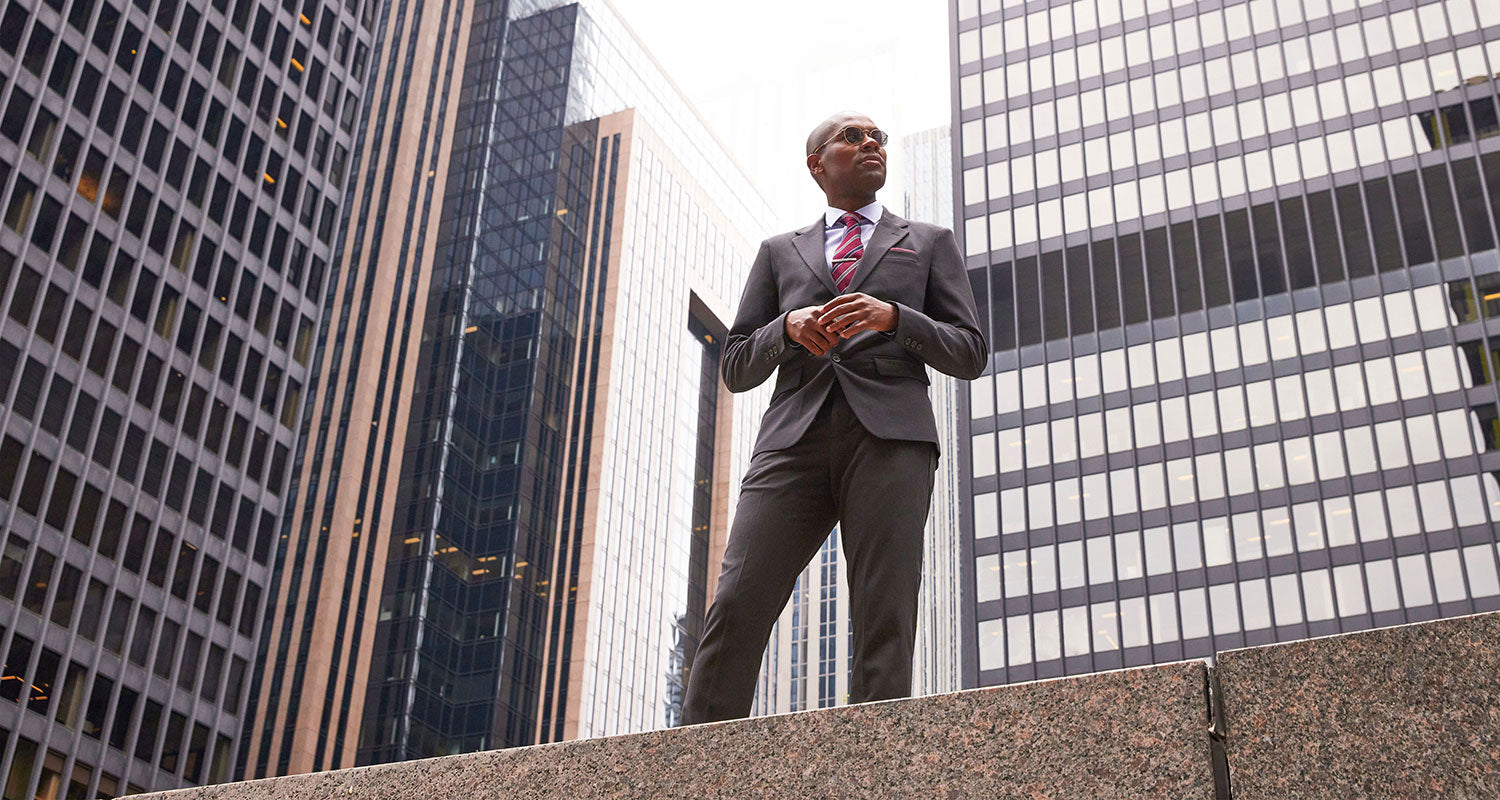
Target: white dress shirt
(833,230)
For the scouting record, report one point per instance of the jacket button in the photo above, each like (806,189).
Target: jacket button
(837,358)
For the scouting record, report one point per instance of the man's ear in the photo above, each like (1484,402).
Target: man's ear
(815,165)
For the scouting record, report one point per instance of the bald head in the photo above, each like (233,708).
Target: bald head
(846,171)
(828,127)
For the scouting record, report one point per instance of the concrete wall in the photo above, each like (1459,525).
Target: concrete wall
(1412,711)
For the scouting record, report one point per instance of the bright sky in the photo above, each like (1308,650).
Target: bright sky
(764,72)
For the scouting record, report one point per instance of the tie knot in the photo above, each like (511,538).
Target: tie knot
(850,220)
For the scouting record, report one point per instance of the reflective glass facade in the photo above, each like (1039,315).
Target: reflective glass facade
(171,179)
(928,195)
(565,482)
(1236,259)
(309,683)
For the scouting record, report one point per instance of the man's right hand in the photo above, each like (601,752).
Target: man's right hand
(802,327)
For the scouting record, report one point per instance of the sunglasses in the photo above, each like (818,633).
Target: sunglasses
(853,134)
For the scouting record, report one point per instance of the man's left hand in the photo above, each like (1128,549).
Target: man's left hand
(849,314)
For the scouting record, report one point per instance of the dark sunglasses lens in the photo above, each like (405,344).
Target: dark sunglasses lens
(854,135)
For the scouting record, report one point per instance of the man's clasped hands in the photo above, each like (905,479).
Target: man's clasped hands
(819,328)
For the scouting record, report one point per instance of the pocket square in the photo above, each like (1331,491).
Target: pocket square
(902,250)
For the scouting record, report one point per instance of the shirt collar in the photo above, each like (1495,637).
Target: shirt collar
(871,213)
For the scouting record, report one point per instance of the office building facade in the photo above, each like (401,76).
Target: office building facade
(568,459)
(927,195)
(809,656)
(1238,260)
(172,177)
(308,685)
(543,448)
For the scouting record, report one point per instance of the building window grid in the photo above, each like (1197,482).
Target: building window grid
(828,622)
(81,383)
(1297,618)
(1181,12)
(1402,403)
(210,83)
(1251,92)
(1467,247)
(191,581)
(1235,381)
(149,316)
(127,636)
(1448,499)
(798,685)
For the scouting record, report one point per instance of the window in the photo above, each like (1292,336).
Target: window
(65,602)
(1416,588)
(1105,619)
(140,645)
(1070,565)
(985,521)
(991,644)
(119,623)
(191,651)
(93,609)
(983,450)
(1158,551)
(1100,560)
(38,582)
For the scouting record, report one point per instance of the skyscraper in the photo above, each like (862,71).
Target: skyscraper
(171,175)
(808,658)
(527,557)
(1239,262)
(314,662)
(927,195)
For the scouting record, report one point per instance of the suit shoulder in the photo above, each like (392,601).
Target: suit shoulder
(779,239)
(928,230)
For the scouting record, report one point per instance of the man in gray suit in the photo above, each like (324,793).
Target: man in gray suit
(849,312)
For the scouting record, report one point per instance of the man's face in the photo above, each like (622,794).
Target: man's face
(850,168)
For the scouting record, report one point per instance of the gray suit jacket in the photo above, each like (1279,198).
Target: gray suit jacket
(916,266)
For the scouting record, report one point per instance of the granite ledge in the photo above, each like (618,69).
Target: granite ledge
(1409,711)
(1139,733)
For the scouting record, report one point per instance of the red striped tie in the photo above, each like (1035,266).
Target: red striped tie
(849,251)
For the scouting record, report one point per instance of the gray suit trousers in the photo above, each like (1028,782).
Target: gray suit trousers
(878,491)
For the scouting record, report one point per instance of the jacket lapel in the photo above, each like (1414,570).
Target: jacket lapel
(809,244)
(888,231)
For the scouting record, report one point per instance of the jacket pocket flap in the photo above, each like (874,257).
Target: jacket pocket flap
(900,368)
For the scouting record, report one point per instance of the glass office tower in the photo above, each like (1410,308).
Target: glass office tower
(309,682)
(565,485)
(808,658)
(515,476)
(171,178)
(1239,262)
(927,195)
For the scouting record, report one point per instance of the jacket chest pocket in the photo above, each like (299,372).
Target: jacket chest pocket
(890,367)
(898,277)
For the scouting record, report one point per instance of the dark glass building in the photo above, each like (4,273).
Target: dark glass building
(516,476)
(309,685)
(171,182)
(568,453)
(1239,261)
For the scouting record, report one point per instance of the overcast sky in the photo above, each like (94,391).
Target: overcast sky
(763,73)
